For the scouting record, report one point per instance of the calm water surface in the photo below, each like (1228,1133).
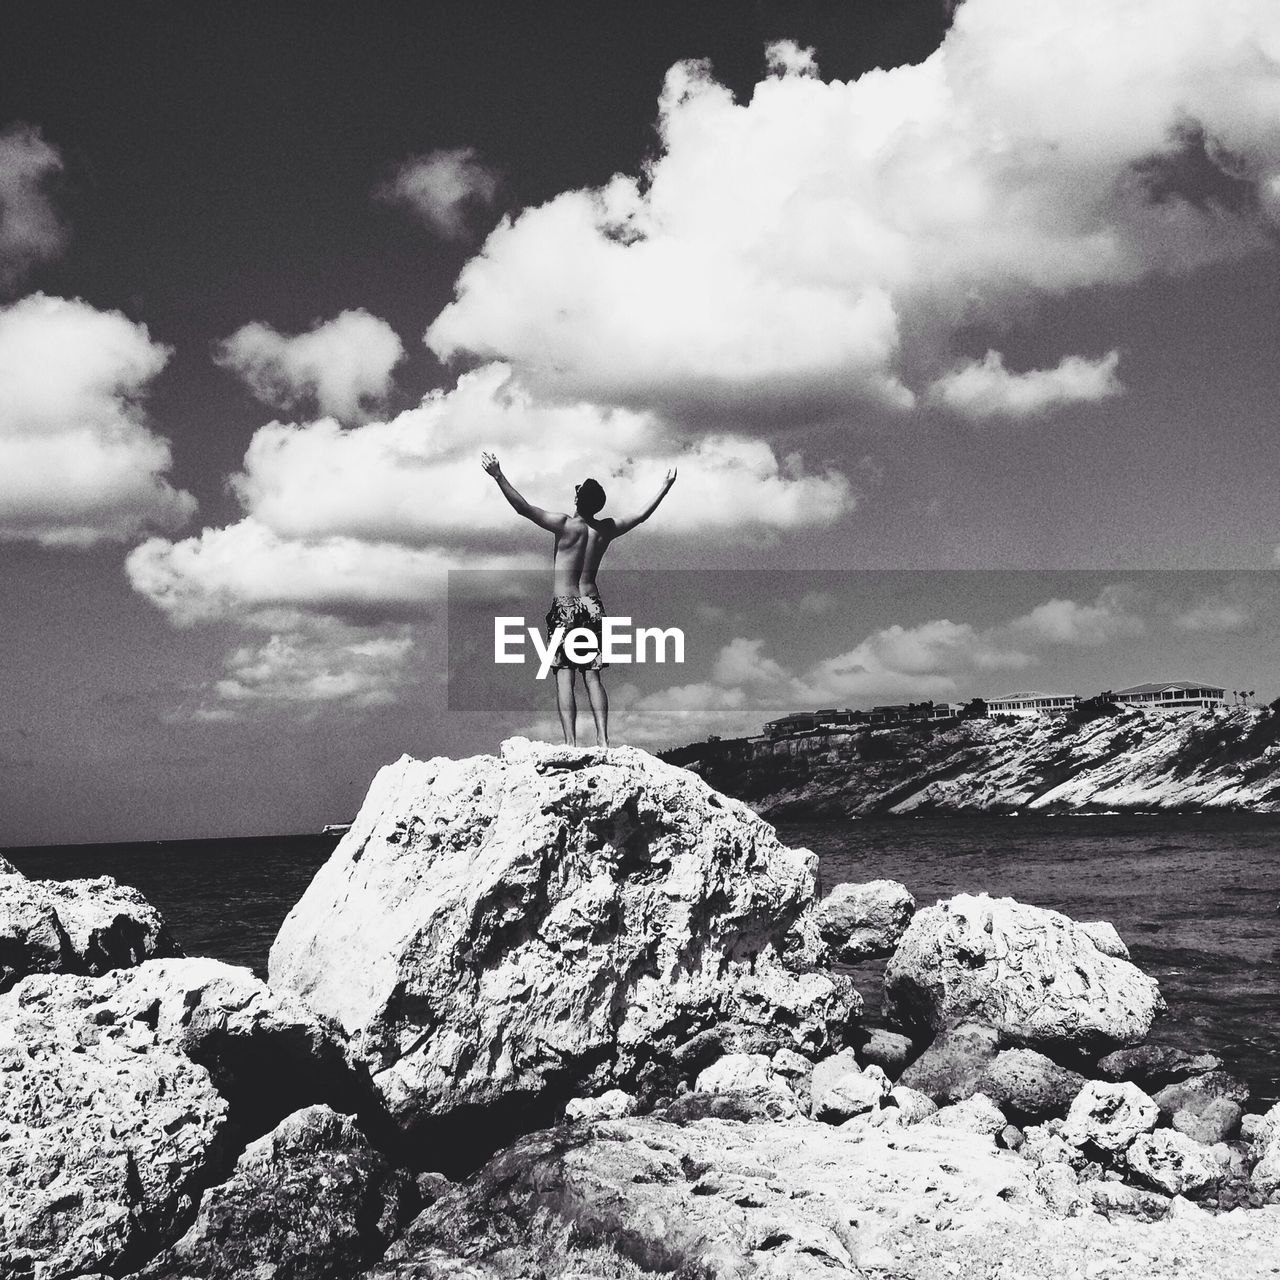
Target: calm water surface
(1195,898)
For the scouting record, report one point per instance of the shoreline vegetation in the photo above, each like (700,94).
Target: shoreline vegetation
(1093,761)
(561,1013)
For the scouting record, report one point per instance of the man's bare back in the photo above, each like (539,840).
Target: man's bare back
(581,539)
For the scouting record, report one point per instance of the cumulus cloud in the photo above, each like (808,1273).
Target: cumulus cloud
(311,669)
(1112,616)
(78,463)
(445,188)
(341,366)
(987,389)
(30,229)
(823,241)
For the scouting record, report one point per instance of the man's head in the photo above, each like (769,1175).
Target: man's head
(588,497)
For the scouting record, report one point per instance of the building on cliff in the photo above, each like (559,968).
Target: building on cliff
(1033,702)
(1173,693)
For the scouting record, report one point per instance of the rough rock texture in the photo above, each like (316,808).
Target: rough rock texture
(1025,1083)
(864,921)
(1109,1116)
(887,1050)
(951,1067)
(850,1093)
(1152,1066)
(613,1104)
(1034,975)
(974,1115)
(75,926)
(736,1072)
(1171,1162)
(312,1200)
(718,1199)
(108,1130)
(1206,1107)
(715,1198)
(1266,1147)
(501,932)
(1106,938)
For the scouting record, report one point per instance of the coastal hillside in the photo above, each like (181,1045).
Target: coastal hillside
(1128,759)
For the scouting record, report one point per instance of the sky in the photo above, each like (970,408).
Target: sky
(958,323)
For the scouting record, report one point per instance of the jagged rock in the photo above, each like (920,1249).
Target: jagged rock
(1266,1147)
(312,1200)
(610,1105)
(75,926)
(1152,1066)
(1171,1162)
(505,932)
(715,1198)
(1109,1116)
(864,921)
(1042,1144)
(951,1067)
(1119,1200)
(1029,1085)
(107,1131)
(1057,1183)
(1034,975)
(750,1106)
(1011,1138)
(913,1105)
(974,1115)
(849,1094)
(1205,1107)
(1106,938)
(1251,1124)
(887,1050)
(738,1072)
(1211,1121)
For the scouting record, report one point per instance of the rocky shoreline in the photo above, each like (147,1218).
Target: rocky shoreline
(1126,760)
(562,1013)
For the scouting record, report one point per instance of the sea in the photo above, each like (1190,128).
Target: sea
(1196,898)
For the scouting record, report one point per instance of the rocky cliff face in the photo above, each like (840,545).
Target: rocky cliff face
(1223,759)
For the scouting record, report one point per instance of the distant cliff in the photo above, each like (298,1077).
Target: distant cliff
(1130,760)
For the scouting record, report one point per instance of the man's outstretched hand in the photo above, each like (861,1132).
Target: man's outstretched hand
(490,464)
(671,478)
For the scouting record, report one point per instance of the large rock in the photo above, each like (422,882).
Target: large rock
(1152,1066)
(120,1094)
(1173,1163)
(864,921)
(1034,975)
(1028,1085)
(312,1200)
(501,933)
(1207,1107)
(1109,1117)
(953,1065)
(715,1198)
(75,926)
(108,1131)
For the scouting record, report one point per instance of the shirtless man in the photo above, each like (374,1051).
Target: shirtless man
(581,541)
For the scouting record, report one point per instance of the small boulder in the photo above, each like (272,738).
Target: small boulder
(1172,1163)
(1041,1145)
(1197,1093)
(312,1199)
(1106,938)
(611,1105)
(974,1115)
(847,1095)
(864,921)
(951,1067)
(736,1073)
(1152,1066)
(1035,975)
(1060,1189)
(1025,1083)
(1212,1121)
(885,1049)
(912,1105)
(1117,1200)
(1109,1116)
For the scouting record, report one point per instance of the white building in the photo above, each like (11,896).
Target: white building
(1173,693)
(1033,702)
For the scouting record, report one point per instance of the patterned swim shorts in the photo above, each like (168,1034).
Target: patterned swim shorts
(572,612)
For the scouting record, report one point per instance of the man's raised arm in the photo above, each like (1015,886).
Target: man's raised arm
(628,523)
(551,520)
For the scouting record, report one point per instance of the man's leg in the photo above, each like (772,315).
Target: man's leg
(567,704)
(599,705)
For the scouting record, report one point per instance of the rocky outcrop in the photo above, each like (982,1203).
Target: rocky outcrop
(1108,1117)
(1171,1162)
(122,1096)
(75,926)
(1135,760)
(107,1131)
(503,932)
(1033,975)
(312,1200)
(864,921)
